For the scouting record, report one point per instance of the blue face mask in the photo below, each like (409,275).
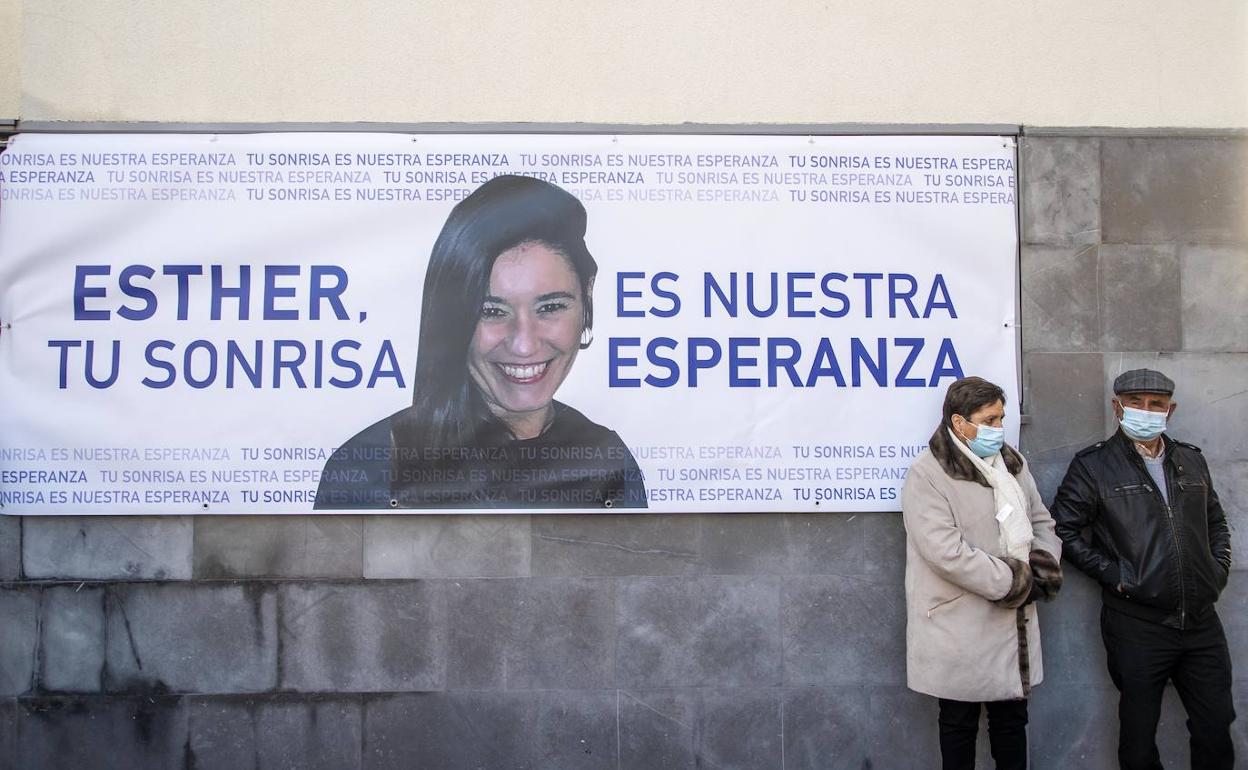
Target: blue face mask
(988,440)
(1141,424)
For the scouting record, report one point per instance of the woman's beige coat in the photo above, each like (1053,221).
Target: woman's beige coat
(959,645)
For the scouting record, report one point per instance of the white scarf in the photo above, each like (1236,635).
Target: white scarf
(1008,499)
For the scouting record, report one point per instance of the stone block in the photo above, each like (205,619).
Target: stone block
(1141,301)
(8,733)
(746,544)
(102,733)
(548,729)
(275,733)
(829,729)
(1230,481)
(536,633)
(1211,394)
(616,544)
(10,547)
(1073,726)
(1061,189)
(278,546)
(19,634)
(1064,397)
(1060,304)
(403,546)
(771,544)
(826,543)
(107,547)
(843,631)
(1171,189)
(700,728)
(1233,611)
(1077,726)
(883,548)
(366,637)
(1048,476)
(1070,634)
(191,638)
(660,729)
(741,728)
(698,632)
(903,733)
(71,637)
(1215,295)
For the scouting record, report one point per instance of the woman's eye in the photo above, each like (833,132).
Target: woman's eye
(492,311)
(552,307)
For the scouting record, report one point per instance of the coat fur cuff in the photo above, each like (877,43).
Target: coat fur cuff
(1020,584)
(1047,573)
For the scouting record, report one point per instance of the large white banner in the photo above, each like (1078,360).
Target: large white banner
(283,323)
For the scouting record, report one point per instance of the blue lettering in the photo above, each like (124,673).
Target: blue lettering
(330,294)
(727,301)
(859,357)
(665,294)
(915,344)
(951,369)
(794,294)
(788,363)
(621,294)
(272,292)
(616,361)
(895,293)
(82,292)
(672,369)
(939,287)
(183,273)
(825,365)
(831,293)
(189,368)
(242,292)
(346,363)
(696,361)
(755,310)
(391,369)
(735,360)
(138,292)
(150,356)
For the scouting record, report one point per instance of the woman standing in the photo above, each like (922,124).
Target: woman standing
(980,549)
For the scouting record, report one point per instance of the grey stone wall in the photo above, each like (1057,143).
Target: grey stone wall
(639,641)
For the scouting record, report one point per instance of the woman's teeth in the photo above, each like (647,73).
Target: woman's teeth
(526,372)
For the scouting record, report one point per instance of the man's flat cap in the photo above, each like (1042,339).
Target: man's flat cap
(1143,381)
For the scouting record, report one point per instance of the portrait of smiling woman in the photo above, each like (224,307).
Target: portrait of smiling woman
(507,306)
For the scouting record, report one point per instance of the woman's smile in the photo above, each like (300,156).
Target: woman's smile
(524,373)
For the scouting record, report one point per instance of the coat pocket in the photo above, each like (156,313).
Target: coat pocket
(1126,577)
(1130,488)
(944,605)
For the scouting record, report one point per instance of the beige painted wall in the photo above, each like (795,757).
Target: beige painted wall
(1056,62)
(10,48)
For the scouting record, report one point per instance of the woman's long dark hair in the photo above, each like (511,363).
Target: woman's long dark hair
(965,397)
(504,212)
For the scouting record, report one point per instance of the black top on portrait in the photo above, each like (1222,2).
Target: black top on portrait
(574,463)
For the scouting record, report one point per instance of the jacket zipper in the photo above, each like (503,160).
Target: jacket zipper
(1174,534)
(944,604)
(1178,553)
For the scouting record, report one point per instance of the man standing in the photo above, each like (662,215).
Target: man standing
(1161,550)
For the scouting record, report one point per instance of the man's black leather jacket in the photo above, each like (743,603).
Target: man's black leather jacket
(1165,563)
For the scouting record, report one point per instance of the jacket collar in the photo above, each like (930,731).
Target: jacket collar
(1125,443)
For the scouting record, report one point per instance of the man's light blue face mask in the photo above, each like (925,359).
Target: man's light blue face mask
(1141,424)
